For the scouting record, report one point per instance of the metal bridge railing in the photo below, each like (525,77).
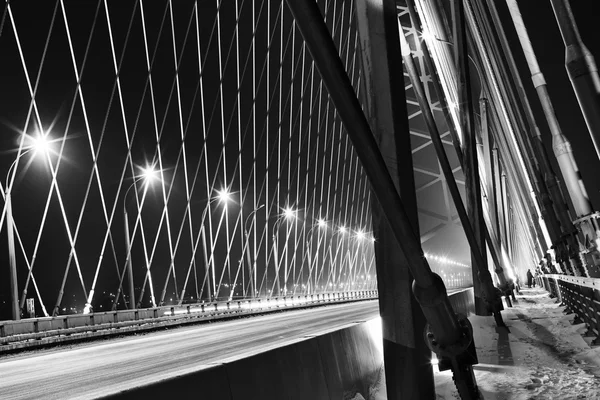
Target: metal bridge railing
(35,332)
(580,296)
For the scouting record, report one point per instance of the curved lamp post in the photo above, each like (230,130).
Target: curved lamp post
(288,214)
(321,223)
(148,174)
(342,230)
(223,196)
(40,144)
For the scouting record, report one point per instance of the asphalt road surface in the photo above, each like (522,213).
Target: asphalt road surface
(95,369)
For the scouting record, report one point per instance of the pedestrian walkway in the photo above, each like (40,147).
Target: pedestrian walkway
(544,356)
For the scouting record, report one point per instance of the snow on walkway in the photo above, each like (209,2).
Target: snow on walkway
(543,357)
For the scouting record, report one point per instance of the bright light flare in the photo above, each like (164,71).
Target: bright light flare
(149,174)
(40,144)
(224,195)
(322,223)
(375,331)
(360,235)
(289,213)
(342,229)
(428,36)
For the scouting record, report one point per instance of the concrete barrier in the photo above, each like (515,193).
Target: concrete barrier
(338,365)
(290,372)
(209,382)
(463,301)
(352,361)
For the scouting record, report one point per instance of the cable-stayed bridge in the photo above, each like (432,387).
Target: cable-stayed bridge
(178,157)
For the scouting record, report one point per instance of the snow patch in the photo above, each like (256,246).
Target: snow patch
(543,357)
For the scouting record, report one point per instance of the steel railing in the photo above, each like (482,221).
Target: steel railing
(34,332)
(580,295)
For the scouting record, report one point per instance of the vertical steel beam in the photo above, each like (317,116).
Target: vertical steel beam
(490,170)
(562,151)
(409,374)
(581,68)
(520,147)
(550,179)
(494,241)
(561,145)
(500,197)
(469,149)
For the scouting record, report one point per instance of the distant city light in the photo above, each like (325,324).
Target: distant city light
(445,260)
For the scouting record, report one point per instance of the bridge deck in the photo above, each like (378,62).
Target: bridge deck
(101,368)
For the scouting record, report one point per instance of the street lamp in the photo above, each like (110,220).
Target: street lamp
(251,267)
(321,223)
(148,174)
(223,196)
(39,144)
(342,230)
(289,214)
(360,236)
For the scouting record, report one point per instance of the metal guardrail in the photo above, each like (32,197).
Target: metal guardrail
(35,332)
(580,295)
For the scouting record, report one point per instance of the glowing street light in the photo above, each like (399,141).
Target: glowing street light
(289,214)
(38,145)
(223,196)
(321,224)
(360,235)
(148,175)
